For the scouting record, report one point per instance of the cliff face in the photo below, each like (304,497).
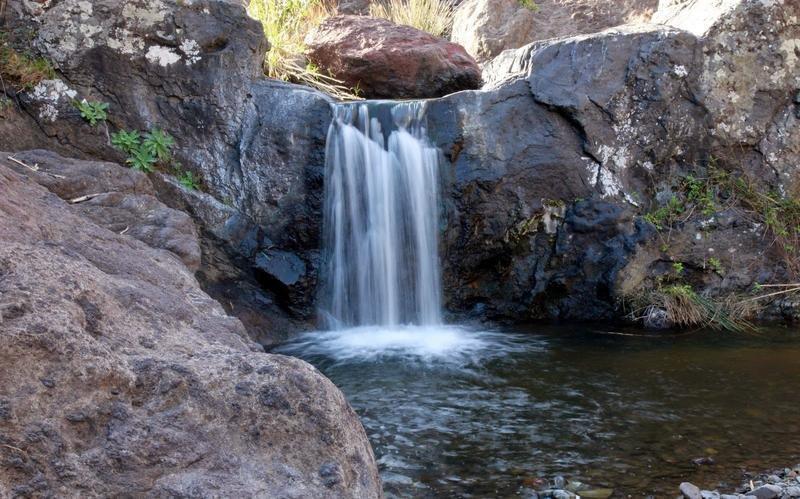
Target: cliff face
(120,376)
(598,169)
(589,171)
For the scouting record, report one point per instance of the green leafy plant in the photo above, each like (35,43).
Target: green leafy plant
(701,193)
(144,152)
(142,159)
(666,215)
(677,267)
(126,141)
(716,265)
(188,180)
(92,111)
(433,16)
(286,24)
(159,143)
(529,4)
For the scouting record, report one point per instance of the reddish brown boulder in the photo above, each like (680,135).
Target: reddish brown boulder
(385,60)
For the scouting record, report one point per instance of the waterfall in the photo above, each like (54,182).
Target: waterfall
(381,265)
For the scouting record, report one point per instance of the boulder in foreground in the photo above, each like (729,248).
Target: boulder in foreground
(119,376)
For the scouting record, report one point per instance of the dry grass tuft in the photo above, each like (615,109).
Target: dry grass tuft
(286,24)
(433,16)
(686,308)
(21,71)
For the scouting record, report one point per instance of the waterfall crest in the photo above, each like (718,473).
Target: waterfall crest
(381,265)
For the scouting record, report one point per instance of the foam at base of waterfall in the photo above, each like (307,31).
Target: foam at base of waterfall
(438,344)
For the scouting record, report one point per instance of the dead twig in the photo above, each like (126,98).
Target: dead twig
(776,293)
(87,197)
(14,449)
(34,168)
(125,230)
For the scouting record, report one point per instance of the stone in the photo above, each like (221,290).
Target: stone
(386,60)
(596,493)
(690,491)
(792,491)
(487,27)
(768,491)
(656,318)
(80,306)
(116,198)
(619,115)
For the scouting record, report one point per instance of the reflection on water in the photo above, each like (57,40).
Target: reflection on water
(482,414)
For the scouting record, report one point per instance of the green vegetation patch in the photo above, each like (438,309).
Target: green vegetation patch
(530,5)
(432,16)
(91,111)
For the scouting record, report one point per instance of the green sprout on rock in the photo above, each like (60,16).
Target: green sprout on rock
(92,111)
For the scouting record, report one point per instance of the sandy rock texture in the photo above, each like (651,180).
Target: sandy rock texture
(121,377)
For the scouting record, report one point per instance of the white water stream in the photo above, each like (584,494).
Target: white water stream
(381,283)
(381,218)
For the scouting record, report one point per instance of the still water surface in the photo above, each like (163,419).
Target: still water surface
(454,412)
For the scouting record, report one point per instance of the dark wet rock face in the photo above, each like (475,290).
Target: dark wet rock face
(542,221)
(121,376)
(193,69)
(553,165)
(389,61)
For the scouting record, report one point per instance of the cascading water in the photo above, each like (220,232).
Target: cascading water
(381,284)
(381,218)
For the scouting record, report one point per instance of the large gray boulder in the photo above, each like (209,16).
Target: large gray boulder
(487,27)
(120,376)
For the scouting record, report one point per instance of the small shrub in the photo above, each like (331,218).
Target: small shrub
(677,267)
(716,265)
(701,193)
(666,215)
(433,16)
(93,112)
(142,159)
(684,307)
(144,154)
(159,144)
(126,141)
(529,4)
